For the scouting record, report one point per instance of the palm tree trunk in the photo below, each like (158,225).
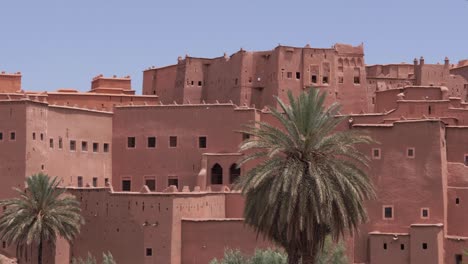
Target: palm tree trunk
(293,257)
(39,253)
(308,259)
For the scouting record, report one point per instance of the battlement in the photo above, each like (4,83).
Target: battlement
(114,84)
(10,82)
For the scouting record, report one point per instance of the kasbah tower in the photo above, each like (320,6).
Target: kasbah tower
(154,172)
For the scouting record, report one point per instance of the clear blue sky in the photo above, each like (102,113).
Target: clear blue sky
(57,44)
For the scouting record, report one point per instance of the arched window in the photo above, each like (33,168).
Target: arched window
(216,174)
(234,173)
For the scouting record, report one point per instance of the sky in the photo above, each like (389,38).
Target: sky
(64,44)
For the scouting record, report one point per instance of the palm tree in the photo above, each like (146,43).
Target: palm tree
(310,181)
(39,214)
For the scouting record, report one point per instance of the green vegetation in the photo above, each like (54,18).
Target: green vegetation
(107,258)
(310,182)
(40,213)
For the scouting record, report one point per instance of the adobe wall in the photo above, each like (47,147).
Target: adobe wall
(414,184)
(218,123)
(160,81)
(204,240)
(10,82)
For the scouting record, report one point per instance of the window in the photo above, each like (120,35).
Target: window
(458,258)
(375,153)
(457,200)
(42,137)
(106,147)
(51,143)
(410,153)
(424,245)
(357,80)
(126,185)
(34,136)
(12,135)
(60,143)
(151,142)
(402,246)
(3,244)
(94,181)
(373,100)
(191,82)
(388,212)
(151,183)
(289,75)
(149,252)
(72,145)
(340,79)
(217,174)
(199,83)
(314,78)
(245,136)
(84,146)
(172,141)
(106,181)
(202,142)
(385,246)
(80,181)
(173,181)
(425,213)
(1,136)
(95,147)
(234,173)
(466,160)
(298,75)
(325,79)
(131,142)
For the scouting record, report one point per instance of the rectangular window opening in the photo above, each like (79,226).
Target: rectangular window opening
(60,143)
(151,142)
(289,75)
(172,141)
(72,145)
(385,246)
(410,152)
(298,75)
(1,136)
(402,246)
(151,183)
(388,212)
(376,153)
(340,79)
(126,185)
(84,146)
(425,213)
(314,78)
(95,147)
(34,135)
(245,136)
(51,143)
(202,142)
(325,79)
(424,245)
(95,181)
(106,147)
(131,142)
(173,181)
(12,136)
(42,137)
(80,181)
(149,252)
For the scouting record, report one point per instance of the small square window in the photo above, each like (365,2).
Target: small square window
(173,181)
(376,153)
(425,213)
(126,185)
(314,78)
(72,145)
(289,75)
(94,181)
(131,142)
(424,245)
(199,83)
(172,141)
(388,212)
(410,153)
(149,252)
(51,143)
(151,142)
(80,181)
(95,147)
(298,75)
(106,147)
(402,246)
(84,146)
(12,136)
(357,80)
(325,79)
(151,183)
(202,142)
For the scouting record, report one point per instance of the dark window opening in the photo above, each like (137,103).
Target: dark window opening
(373,100)
(429,110)
(357,80)
(151,183)
(151,142)
(298,75)
(94,181)
(424,245)
(60,143)
(217,174)
(202,142)
(236,81)
(106,181)
(34,136)
(149,252)
(106,147)
(1,136)
(80,181)
(51,143)
(425,213)
(84,146)
(458,258)
(42,167)
(173,181)
(340,79)
(42,137)
(3,244)
(234,173)
(457,200)
(402,246)
(191,82)
(385,246)
(131,142)
(172,141)
(325,79)
(12,136)
(245,136)
(72,145)
(199,83)
(289,75)
(466,160)
(95,147)
(376,153)
(126,185)
(411,152)
(388,212)
(314,79)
